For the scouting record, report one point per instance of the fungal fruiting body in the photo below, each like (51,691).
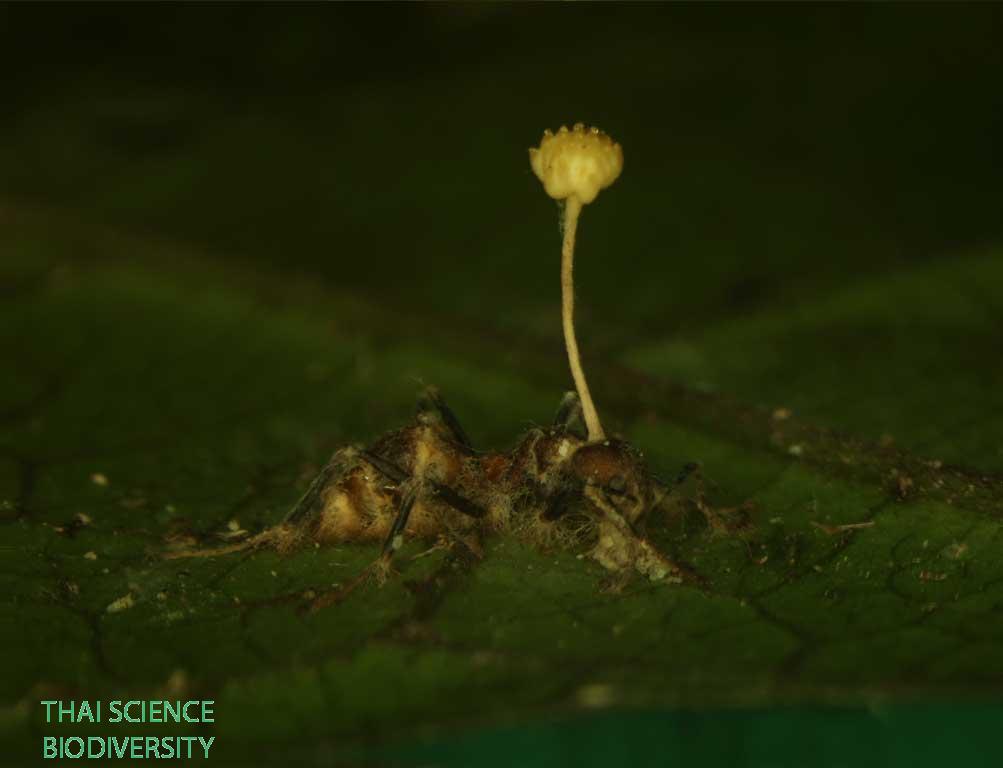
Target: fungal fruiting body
(426,481)
(574,165)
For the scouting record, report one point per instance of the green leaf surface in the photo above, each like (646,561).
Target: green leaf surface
(167,398)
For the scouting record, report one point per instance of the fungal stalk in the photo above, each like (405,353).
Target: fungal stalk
(574,166)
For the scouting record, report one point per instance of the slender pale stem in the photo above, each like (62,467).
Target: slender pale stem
(572,208)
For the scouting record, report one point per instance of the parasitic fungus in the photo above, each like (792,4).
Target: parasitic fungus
(574,165)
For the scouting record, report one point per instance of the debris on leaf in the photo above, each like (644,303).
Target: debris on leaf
(233,530)
(955,551)
(180,540)
(832,530)
(931,576)
(903,487)
(177,684)
(133,501)
(124,603)
(596,695)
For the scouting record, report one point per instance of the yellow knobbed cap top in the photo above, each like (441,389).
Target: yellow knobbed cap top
(576,163)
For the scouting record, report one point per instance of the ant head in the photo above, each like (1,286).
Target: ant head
(620,474)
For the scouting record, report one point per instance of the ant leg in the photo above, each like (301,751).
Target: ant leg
(663,490)
(620,547)
(413,490)
(687,470)
(569,413)
(728,520)
(394,473)
(432,408)
(395,536)
(385,467)
(551,526)
(560,498)
(380,569)
(457,501)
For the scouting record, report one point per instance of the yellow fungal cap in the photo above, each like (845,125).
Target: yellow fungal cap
(576,163)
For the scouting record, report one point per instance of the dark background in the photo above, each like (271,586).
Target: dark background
(364,142)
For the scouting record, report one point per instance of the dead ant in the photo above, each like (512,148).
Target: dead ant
(427,480)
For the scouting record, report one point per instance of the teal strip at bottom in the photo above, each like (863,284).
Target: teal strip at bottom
(942,735)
